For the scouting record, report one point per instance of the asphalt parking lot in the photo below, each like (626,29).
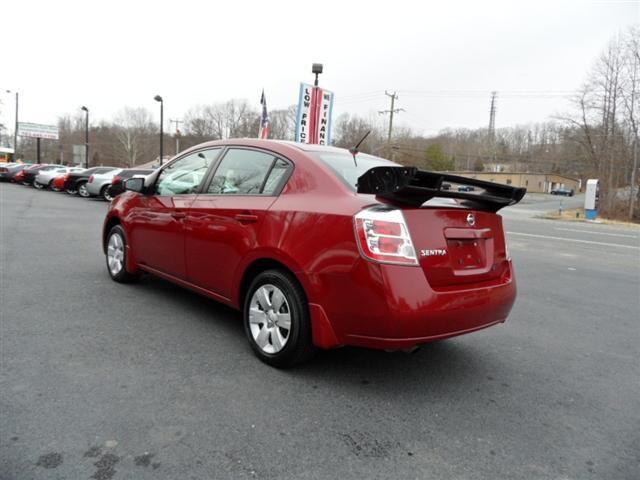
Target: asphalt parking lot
(100,380)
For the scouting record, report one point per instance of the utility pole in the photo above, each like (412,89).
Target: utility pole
(632,199)
(492,124)
(86,137)
(177,122)
(15,130)
(391,111)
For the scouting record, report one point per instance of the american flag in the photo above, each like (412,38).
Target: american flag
(264,119)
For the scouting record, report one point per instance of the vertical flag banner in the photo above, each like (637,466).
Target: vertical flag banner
(264,118)
(313,122)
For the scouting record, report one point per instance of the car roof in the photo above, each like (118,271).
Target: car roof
(255,142)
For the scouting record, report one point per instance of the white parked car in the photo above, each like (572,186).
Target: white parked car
(44,178)
(98,184)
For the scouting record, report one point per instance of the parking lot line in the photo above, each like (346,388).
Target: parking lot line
(548,237)
(596,233)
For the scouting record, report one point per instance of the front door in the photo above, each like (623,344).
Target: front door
(157,225)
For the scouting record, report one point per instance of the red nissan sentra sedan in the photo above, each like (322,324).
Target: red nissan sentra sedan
(319,246)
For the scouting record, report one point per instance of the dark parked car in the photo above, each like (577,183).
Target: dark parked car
(31,172)
(9,171)
(75,183)
(117,183)
(567,192)
(315,249)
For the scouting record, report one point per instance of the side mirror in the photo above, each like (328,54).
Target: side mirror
(134,184)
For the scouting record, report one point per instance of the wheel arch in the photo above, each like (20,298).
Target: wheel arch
(256,267)
(108,225)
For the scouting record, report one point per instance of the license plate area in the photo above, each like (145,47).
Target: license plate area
(467,253)
(470,250)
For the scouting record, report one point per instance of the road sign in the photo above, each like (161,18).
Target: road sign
(35,130)
(79,154)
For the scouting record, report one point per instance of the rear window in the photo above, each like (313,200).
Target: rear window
(131,173)
(346,169)
(103,170)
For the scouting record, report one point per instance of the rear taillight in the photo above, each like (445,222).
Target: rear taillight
(116,180)
(506,246)
(383,236)
(91,179)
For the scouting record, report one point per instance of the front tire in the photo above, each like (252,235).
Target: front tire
(117,256)
(38,185)
(277,321)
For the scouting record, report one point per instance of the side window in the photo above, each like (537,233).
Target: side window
(278,172)
(185,175)
(243,172)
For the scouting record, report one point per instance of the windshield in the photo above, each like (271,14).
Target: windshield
(345,167)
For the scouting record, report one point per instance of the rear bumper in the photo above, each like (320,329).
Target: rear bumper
(395,307)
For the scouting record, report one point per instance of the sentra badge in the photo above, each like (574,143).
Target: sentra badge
(437,252)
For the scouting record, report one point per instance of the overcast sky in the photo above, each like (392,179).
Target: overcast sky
(443,58)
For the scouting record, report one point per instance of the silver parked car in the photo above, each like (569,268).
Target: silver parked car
(44,178)
(98,184)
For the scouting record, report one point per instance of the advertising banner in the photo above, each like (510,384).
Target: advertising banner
(35,130)
(313,122)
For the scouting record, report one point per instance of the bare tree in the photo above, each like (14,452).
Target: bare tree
(606,122)
(232,119)
(630,92)
(134,131)
(283,123)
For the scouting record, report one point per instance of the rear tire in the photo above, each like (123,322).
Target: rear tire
(116,256)
(277,321)
(38,185)
(82,190)
(104,193)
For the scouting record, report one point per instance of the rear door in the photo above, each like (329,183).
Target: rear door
(157,223)
(224,220)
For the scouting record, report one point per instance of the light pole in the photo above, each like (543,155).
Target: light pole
(316,69)
(15,131)
(86,137)
(158,98)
